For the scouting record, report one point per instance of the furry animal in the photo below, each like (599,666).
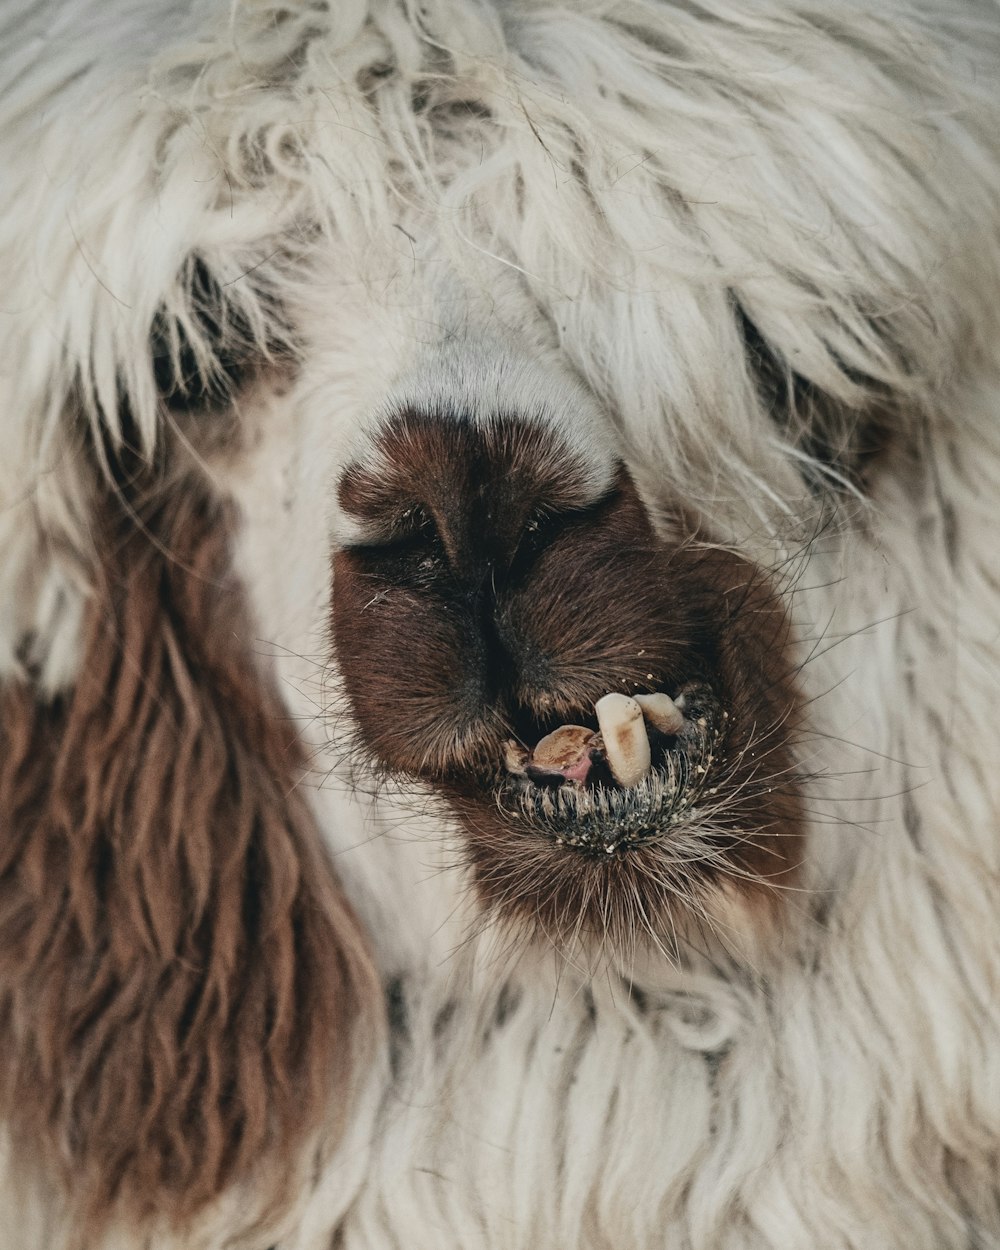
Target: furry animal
(384,385)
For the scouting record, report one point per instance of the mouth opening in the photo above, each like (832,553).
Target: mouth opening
(618,780)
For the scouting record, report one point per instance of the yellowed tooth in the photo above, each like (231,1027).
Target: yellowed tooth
(562,747)
(625,742)
(661,712)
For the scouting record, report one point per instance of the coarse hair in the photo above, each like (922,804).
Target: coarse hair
(253,989)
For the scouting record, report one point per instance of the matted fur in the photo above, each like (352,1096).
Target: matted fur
(751,251)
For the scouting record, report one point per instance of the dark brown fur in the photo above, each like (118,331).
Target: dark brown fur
(498,599)
(180,973)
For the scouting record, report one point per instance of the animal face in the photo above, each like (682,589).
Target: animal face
(503,583)
(496,571)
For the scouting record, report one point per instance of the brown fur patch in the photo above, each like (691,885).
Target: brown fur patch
(180,973)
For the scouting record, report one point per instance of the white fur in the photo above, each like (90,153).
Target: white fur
(838,169)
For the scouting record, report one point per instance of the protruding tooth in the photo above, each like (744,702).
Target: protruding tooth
(625,742)
(661,712)
(514,756)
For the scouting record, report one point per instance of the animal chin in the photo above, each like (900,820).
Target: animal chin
(576,855)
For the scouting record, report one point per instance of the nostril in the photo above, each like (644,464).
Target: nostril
(487,486)
(540,529)
(414,527)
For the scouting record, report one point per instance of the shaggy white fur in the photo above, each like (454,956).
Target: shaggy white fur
(432,191)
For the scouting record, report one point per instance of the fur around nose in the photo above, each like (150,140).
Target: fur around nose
(472,491)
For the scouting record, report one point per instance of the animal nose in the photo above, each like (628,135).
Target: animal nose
(467,498)
(495,590)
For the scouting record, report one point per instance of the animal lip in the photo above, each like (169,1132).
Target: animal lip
(576,796)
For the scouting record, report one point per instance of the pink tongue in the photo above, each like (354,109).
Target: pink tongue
(579,770)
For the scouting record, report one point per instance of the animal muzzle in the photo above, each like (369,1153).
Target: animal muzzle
(605,703)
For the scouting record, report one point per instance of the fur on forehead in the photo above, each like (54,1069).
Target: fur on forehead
(480,380)
(517,137)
